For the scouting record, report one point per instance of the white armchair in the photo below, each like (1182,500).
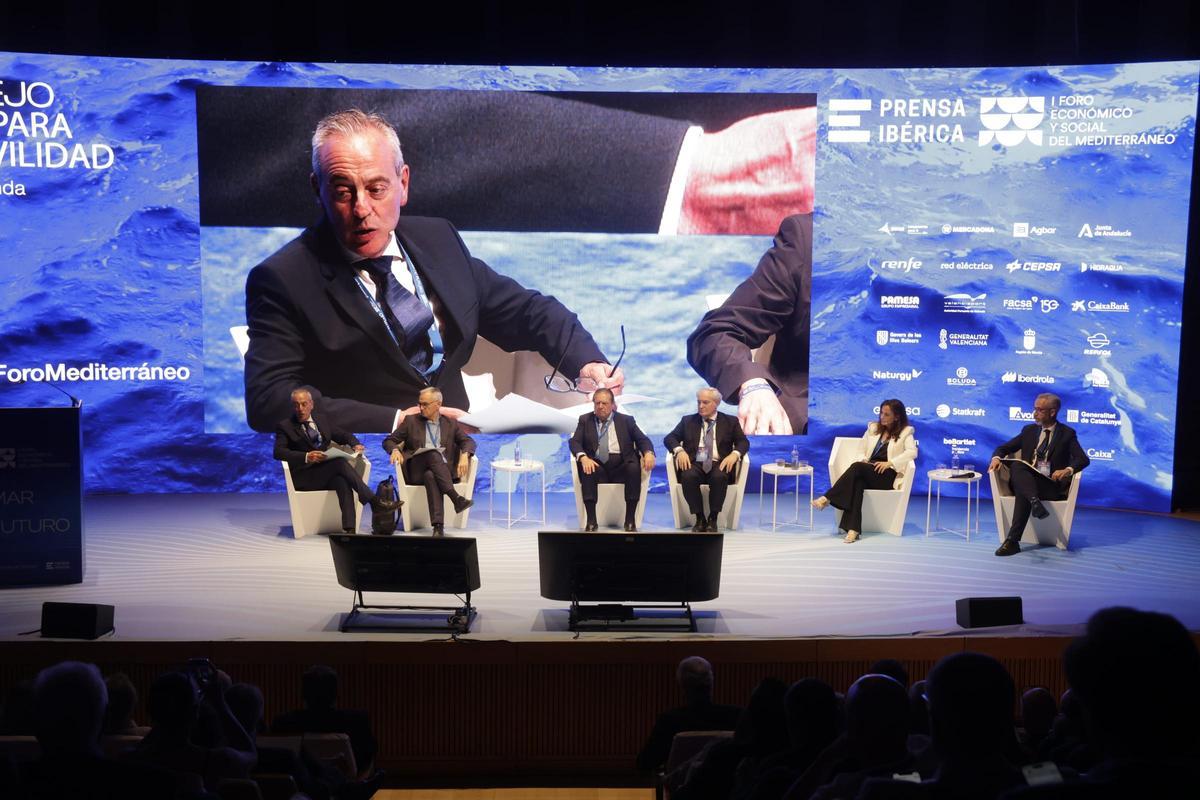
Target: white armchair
(415,511)
(731,514)
(1054,529)
(317,511)
(610,501)
(883,510)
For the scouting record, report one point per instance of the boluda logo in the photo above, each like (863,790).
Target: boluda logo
(960,378)
(1009,121)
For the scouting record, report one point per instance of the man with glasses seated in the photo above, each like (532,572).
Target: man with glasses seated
(431,442)
(1049,455)
(707,447)
(608,447)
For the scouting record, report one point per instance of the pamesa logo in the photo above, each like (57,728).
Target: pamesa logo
(1011,120)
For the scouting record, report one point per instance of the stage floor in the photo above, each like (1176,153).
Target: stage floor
(225,568)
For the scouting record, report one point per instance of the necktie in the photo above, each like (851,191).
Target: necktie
(602,441)
(1044,447)
(314,435)
(433,436)
(708,444)
(413,316)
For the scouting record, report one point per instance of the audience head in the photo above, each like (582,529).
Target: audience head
(69,699)
(970,706)
(1038,710)
(877,717)
(246,703)
(695,676)
(1137,677)
(319,687)
(812,713)
(172,702)
(762,727)
(918,708)
(892,668)
(122,700)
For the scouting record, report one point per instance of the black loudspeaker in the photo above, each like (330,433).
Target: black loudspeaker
(988,612)
(76,620)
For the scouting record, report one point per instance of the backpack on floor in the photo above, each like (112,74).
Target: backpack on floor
(383,523)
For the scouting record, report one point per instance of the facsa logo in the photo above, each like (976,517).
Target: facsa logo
(1011,120)
(845,122)
(1096,378)
(1018,414)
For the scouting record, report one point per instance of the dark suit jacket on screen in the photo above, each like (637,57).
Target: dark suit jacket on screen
(311,326)
(774,300)
(633,442)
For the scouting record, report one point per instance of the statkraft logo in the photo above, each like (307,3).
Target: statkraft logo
(1009,121)
(943,411)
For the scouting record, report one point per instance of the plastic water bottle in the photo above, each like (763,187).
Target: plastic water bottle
(517,453)
(795,462)
(954,464)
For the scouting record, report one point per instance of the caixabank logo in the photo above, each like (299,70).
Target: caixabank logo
(1009,121)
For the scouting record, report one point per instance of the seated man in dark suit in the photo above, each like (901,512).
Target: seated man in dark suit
(301,440)
(608,447)
(707,446)
(318,689)
(1051,454)
(433,442)
(698,713)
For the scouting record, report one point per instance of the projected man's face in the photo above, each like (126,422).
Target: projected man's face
(360,190)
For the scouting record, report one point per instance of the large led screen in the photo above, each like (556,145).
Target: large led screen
(959,239)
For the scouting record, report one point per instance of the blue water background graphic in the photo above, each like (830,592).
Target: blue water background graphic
(112,267)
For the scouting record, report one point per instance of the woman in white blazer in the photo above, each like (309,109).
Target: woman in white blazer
(886,449)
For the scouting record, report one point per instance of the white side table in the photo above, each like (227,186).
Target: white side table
(973,483)
(517,474)
(776,472)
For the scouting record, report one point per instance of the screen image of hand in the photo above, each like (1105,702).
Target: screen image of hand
(760,413)
(597,374)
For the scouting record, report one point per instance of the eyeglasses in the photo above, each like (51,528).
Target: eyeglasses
(557,382)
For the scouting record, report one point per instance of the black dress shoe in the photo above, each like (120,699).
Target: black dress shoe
(1036,508)
(461,504)
(712,525)
(439,530)
(349,531)
(630,527)
(591,527)
(701,525)
(1010,548)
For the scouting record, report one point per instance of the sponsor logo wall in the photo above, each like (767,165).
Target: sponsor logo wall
(967,254)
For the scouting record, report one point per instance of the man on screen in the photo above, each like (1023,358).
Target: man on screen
(707,448)
(1049,455)
(302,441)
(365,309)
(772,397)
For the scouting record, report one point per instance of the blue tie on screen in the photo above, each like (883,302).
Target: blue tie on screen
(413,316)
